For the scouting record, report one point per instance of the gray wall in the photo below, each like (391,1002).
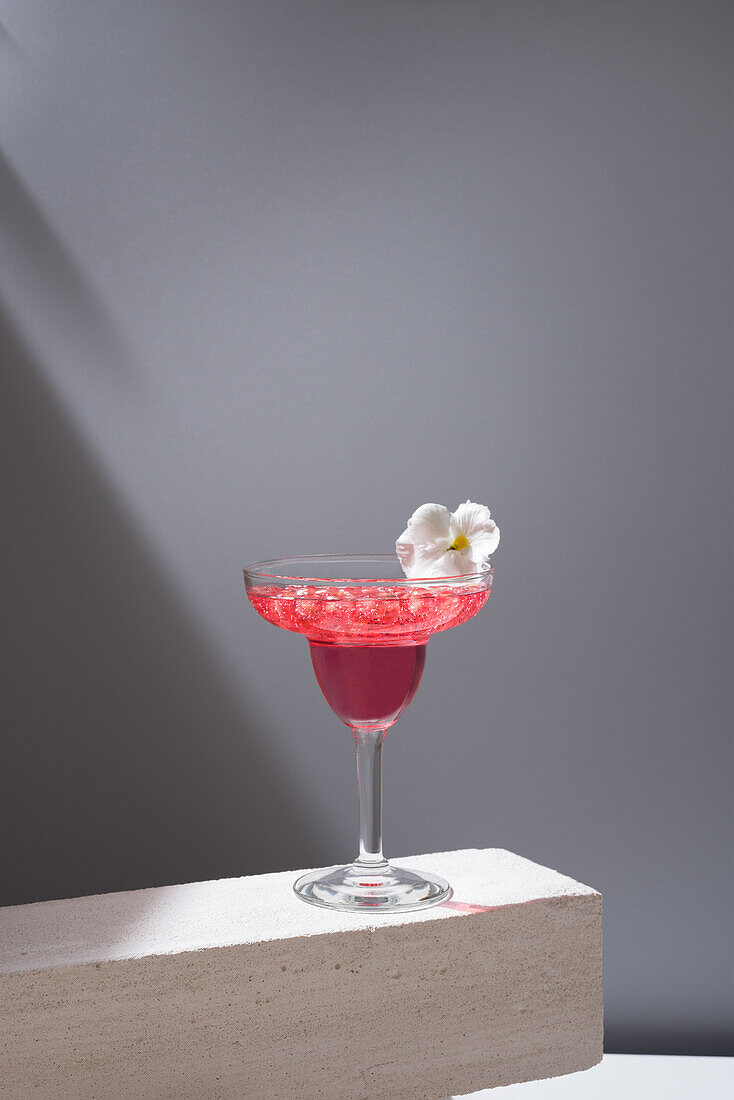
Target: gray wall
(275,274)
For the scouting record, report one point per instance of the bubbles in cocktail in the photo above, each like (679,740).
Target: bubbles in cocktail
(385,614)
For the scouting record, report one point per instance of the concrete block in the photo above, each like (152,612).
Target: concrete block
(236,989)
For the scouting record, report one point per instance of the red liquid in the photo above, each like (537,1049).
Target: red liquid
(368,686)
(368,642)
(380,615)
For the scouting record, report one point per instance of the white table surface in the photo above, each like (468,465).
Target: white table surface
(629,1076)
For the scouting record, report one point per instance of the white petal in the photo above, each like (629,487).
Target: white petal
(486,543)
(405,549)
(441,563)
(475,522)
(453,563)
(424,539)
(418,560)
(470,517)
(430,523)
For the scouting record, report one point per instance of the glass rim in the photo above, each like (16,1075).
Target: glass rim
(266,570)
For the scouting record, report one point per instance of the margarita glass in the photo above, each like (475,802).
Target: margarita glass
(367,626)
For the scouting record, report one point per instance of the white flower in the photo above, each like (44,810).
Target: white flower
(439,543)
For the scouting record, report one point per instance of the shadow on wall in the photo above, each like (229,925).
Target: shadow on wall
(59,290)
(126,761)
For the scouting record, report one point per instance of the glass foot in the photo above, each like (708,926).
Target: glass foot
(373,886)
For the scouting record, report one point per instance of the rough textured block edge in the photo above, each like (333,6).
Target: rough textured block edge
(236,989)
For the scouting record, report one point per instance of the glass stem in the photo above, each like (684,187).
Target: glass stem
(369,779)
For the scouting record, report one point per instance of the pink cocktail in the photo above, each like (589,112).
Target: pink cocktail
(368,643)
(368,686)
(367,627)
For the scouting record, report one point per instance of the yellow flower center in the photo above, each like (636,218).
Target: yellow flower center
(460,543)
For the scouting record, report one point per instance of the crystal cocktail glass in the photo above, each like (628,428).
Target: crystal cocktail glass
(367,626)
